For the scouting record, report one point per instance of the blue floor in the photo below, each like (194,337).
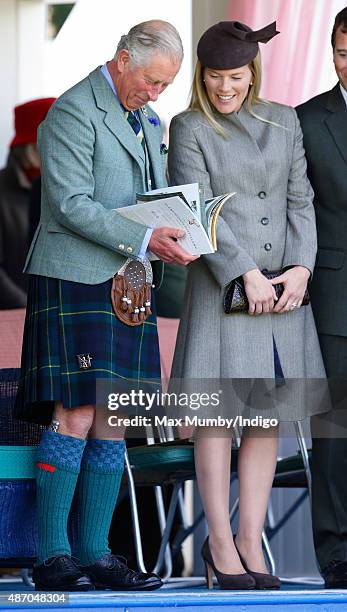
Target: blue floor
(185,595)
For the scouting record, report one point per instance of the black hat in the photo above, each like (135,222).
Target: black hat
(231,44)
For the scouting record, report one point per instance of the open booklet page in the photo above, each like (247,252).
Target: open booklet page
(193,193)
(172,211)
(180,207)
(207,211)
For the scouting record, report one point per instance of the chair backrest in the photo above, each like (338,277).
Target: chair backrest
(14,432)
(18,443)
(18,528)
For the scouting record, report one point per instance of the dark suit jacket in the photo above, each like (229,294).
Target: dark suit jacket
(324,124)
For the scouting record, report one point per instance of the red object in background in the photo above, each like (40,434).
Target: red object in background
(46,467)
(27,118)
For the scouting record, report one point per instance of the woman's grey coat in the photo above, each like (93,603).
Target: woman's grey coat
(269,224)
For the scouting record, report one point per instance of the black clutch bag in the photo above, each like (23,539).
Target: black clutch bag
(235,299)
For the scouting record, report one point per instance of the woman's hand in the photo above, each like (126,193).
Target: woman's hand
(295,283)
(260,293)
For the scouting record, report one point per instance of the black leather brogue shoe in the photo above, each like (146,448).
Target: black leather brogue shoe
(112,572)
(335,575)
(60,573)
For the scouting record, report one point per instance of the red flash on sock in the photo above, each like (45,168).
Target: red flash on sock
(46,467)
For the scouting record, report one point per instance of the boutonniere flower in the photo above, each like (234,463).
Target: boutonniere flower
(163,149)
(152,120)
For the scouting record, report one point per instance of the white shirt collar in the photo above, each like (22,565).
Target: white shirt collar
(344,93)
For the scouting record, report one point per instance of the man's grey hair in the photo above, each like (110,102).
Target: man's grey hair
(148,38)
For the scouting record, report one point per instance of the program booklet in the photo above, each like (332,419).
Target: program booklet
(183,207)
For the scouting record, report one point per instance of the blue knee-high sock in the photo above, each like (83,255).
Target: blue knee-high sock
(98,486)
(58,465)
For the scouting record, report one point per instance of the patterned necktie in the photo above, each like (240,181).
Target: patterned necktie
(136,126)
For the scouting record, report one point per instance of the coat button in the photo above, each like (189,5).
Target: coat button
(129,249)
(267,246)
(121,247)
(262,195)
(264,221)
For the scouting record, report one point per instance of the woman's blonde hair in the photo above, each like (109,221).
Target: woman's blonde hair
(200,101)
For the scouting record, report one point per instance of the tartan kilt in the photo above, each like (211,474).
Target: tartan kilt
(65,320)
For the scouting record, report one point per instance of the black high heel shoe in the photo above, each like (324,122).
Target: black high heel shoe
(262,581)
(226,581)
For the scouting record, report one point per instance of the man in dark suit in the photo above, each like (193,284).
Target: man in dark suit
(324,123)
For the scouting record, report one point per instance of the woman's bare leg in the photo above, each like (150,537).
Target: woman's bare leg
(256,467)
(212,463)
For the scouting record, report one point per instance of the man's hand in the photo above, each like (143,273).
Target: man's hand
(260,293)
(295,283)
(163,243)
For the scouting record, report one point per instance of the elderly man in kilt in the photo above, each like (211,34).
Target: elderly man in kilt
(99,146)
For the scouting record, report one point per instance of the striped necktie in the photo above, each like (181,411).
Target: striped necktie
(136,126)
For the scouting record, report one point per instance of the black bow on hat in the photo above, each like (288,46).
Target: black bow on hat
(242,32)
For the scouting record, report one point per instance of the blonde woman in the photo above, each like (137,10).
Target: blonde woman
(231,140)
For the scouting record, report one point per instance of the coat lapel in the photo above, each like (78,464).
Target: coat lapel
(253,130)
(114,117)
(152,135)
(336,121)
